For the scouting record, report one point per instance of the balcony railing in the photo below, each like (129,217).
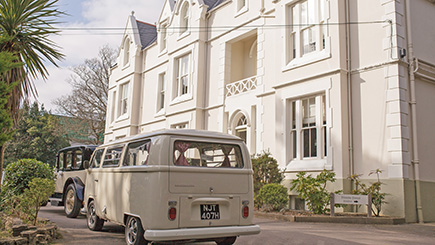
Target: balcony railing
(242,86)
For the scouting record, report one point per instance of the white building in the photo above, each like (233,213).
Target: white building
(342,85)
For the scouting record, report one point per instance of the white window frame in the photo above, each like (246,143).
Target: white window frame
(123,99)
(113,111)
(126,54)
(181,74)
(163,38)
(318,23)
(184,18)
(298,161)
(161,92)
(241,7)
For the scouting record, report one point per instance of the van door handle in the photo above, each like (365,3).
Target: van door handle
(96,180)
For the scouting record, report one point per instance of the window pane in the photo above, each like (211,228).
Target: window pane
(211,155)
(309,40)
(309,112)
(294,142)
(313,143)
(324,141)
(311,12)
(293,114)
(304,13)
(306,134)
(95,162)
(137,153)
(184,85)
(77,162)
(112,157)
(69,160)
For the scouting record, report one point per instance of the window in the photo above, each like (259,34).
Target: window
(112,156)
(137,153)
(123,105)
(240,5)
(96,159)
(68,160)
(179,126)
(61,161)
(77,159)
(126,51)
(161,93)
(307,28)
(210,155)
(241,128)
(184,18)
(182,79)
(112,116)
(308,128)
(163,38)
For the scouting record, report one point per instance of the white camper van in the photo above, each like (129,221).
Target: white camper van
(172,185)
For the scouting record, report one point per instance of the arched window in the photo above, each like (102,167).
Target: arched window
(242,128)
(126,51)
(184,18)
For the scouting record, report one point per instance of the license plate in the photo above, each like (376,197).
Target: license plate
(210,211)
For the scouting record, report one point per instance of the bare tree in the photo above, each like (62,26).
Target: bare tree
(88,101)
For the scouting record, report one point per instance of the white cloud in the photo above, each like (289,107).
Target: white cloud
(81,44)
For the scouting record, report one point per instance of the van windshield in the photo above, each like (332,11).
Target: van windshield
(211,155)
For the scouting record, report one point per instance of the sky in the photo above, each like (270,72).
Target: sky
(82,44)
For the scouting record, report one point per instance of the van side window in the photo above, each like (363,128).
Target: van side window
(112,156)
(96,159)
(211,155)
(137,153)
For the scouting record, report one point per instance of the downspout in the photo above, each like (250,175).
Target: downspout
(415,161)
(349,93)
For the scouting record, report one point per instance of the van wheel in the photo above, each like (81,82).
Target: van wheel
(134,232)
(94,222)
(226,241)
(72,203)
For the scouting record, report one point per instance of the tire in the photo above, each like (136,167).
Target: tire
(94,222)
(134,232)
(72,204)
(226,241)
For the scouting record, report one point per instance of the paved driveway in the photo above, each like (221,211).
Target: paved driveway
(75,231)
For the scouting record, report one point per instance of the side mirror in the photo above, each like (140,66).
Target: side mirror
(86,164)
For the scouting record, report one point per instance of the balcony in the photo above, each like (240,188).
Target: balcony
(242,86)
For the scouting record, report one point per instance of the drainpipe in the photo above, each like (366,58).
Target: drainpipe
(349,92)
(415,161)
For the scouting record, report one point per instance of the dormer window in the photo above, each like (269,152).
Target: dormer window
(163,38)
(241,4)
(126,51)
(184,18)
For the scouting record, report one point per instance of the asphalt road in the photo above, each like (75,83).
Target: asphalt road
(75,231)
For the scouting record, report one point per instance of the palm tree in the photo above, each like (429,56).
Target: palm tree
(26,25)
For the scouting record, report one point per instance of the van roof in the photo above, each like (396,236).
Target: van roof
(178,132)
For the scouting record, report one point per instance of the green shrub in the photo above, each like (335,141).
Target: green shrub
(19,174)
(266,171)
(272,197)
(31,200)
(378,197)
(17,177)
(313,190)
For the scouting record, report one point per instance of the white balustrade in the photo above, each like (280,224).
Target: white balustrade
(242,86)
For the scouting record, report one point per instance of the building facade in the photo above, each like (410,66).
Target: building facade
(342,85)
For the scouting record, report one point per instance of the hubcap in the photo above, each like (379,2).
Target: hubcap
(70,197)
(92,215)
(132,231)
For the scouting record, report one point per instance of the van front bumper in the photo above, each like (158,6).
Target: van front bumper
(200,233)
